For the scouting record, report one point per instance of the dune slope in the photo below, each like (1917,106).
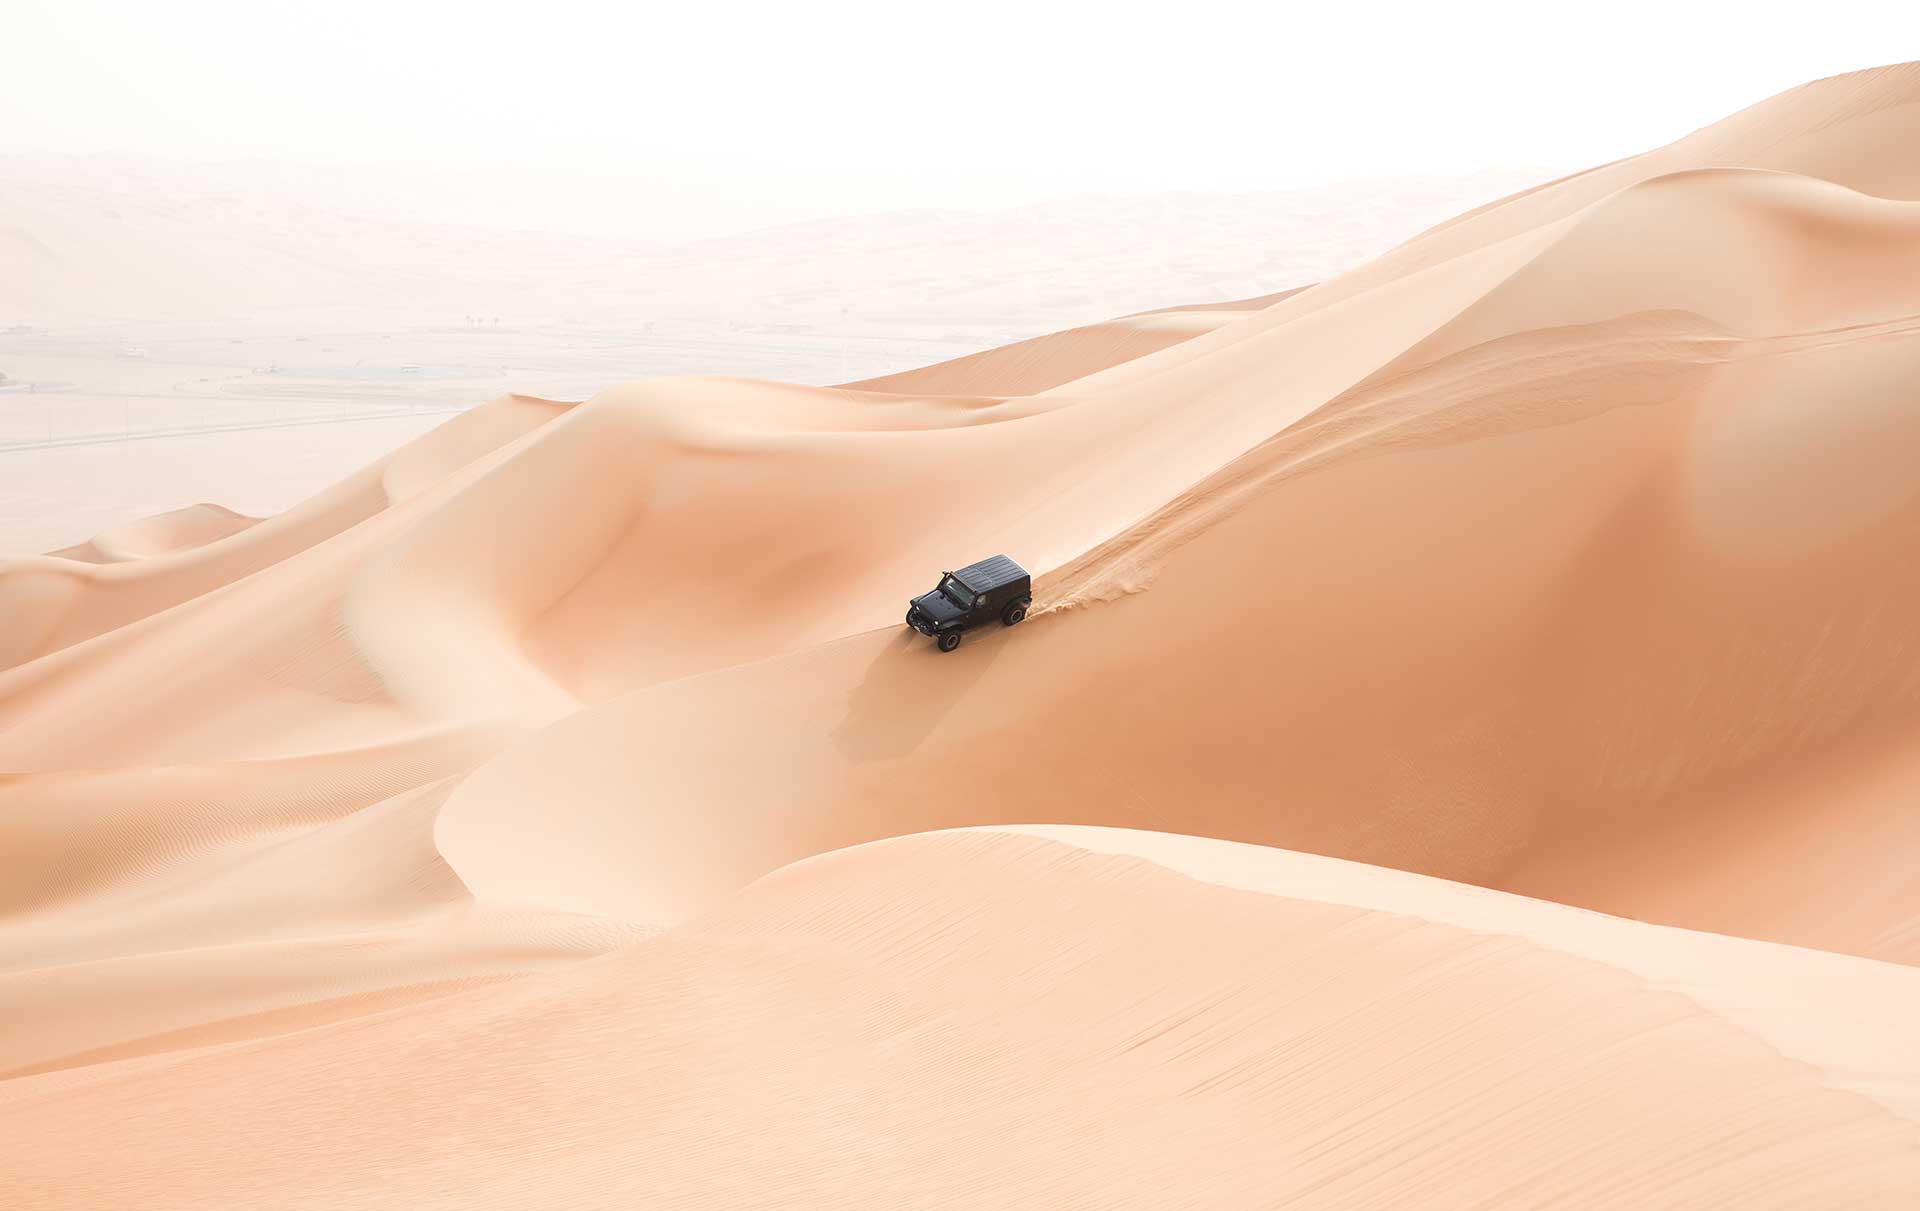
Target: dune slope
(1018,1019)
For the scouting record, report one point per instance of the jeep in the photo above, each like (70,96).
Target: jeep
(994,588)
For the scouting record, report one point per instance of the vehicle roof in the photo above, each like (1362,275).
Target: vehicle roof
(993,572)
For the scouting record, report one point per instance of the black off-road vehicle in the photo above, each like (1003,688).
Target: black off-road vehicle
(995,587)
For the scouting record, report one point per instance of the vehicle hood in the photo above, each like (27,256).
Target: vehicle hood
(935,606)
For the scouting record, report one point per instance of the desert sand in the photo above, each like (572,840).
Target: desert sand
(1461,755)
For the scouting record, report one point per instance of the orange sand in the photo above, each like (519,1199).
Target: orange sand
(552,813)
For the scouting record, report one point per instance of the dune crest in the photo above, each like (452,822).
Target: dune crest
(1557,560)
(162,534)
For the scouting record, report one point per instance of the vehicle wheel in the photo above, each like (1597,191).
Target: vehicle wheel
(1015,612)
(949,641)
(910,625)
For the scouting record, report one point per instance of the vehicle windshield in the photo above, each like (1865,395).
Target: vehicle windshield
(956,592)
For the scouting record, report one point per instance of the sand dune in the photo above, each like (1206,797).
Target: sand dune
(949,1018)
(161,534)
(1556,560)
(1042,363)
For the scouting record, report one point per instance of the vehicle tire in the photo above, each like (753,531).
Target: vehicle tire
(1015,612)
(948,641)
(910,625)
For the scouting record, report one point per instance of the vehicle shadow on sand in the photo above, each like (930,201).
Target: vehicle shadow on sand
(910,687)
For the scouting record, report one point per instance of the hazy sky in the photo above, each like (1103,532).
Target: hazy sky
(825,106)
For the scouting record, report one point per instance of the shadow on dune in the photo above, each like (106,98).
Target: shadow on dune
(910,687)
